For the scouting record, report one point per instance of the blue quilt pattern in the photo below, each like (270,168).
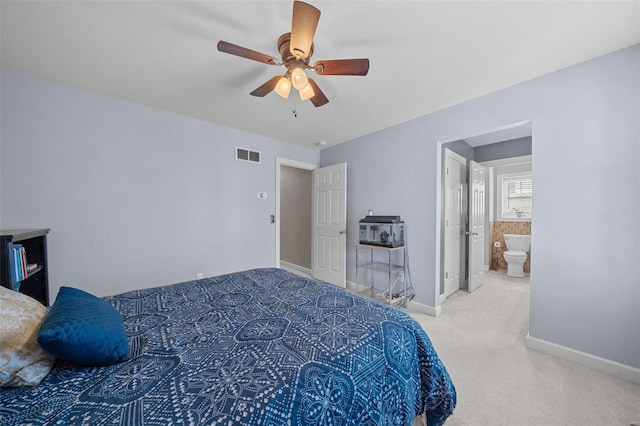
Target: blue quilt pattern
(261,347)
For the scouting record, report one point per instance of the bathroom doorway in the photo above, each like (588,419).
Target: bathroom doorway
(504,152)
(511,212)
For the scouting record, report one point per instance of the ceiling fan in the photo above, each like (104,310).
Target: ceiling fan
(295,50)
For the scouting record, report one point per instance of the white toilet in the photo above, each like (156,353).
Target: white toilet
(516,254)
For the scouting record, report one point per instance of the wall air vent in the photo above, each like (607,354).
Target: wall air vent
(243,154)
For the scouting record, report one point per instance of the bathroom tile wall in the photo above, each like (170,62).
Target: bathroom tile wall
(497,229)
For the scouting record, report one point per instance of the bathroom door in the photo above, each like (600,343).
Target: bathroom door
(455,175)
(477,177)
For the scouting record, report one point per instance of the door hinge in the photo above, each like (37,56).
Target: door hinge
(446,275)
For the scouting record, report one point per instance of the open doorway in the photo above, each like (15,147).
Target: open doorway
(293,217)
(510,211)
(325,188)
(489,159)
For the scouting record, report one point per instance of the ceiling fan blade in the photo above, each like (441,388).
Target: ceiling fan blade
(342,67)
(267,87)
(319,98)
(303,28)
(243,52)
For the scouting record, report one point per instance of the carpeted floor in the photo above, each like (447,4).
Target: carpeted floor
(480,337)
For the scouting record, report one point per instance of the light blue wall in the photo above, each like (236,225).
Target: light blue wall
(137,197)
(585,282)
(134,197)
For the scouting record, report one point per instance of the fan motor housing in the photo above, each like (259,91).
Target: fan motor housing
(288,58)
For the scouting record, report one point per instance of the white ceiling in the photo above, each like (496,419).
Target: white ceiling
(425,55)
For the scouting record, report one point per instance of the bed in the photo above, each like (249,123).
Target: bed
(257,347)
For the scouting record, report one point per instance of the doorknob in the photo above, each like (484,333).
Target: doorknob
(342,231)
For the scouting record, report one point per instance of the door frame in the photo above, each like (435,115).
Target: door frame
(439,250)
(289,163)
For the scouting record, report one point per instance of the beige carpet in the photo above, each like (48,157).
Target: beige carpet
(481,339)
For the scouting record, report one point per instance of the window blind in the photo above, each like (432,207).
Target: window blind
(516,196)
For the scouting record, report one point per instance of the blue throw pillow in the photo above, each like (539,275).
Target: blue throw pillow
(84,329)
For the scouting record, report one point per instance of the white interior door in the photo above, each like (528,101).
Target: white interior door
(454,224)
(329,245)
(476,225)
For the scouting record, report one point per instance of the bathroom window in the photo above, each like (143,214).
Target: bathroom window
(516,194)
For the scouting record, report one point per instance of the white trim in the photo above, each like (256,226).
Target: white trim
(510,161)
(424,309)
(452,154)
(291,267)
(414,306)
(291,163)
(625,372)
(439,219)
(295,163)
(356,288)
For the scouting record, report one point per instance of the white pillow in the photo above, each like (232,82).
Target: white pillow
(22,360)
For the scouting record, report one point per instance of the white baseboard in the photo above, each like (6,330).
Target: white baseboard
(414,306)
(287,265)
(625,372)
(424,309)
(351,286)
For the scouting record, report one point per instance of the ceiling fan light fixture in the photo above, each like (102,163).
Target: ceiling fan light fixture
(299,78)
(296,48)
(283,87)
(306,92)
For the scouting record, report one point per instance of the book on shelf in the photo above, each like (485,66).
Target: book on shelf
(23,257)
(32,267)
(12,264)
(19,264)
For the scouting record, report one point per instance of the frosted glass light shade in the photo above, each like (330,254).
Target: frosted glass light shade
(306,92)
(283,87)
(298,78)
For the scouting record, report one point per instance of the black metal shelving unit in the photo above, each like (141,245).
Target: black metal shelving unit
(34,241)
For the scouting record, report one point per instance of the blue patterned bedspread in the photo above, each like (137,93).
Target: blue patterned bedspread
(257,347)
